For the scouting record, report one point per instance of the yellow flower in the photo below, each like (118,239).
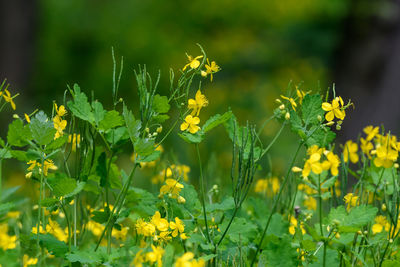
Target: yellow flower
(49,165)
(194,63)
(300,94)
(160,223)
(385,155)
(291,100)
(155,255)
(187,260)
(61,111)
(366,147)
(120,234)
(8,98)
(172,187)
(380,223)
(54,228)
(190,124)
(312,164)
(59,125)
(261,186)
(350,151)
(210,69)
(293,226)
(200,101)
(28,120)
(138,260)
(334,109)
(177,227)
(13,214)
(145,228)
(310,203)
(331,163)
(351,200)
(371,132)
(6,241)
(75,139)
(29,261)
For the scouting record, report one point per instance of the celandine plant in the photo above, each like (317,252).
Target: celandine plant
(88,213)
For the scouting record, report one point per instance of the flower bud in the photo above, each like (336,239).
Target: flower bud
(319,117)
(297,169)
(359,232)
(15,116)
(365,232)
(384,207)
(390,241)
(396,165)
(278,101)
(287,116)
(159,129)
(282,107)
(181,200)
(338,127)
(330,123)
(147,129)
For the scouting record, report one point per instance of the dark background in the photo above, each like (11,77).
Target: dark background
(260,45)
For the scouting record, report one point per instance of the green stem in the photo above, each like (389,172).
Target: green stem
(274,207)
(320,218)
(202,193)
(273,141)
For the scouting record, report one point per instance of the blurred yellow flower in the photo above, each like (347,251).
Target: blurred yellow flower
(177,227)
(29,261)
(161,223)
(351,200)
(194,63)
(332,163)
(155,255)
(350,151)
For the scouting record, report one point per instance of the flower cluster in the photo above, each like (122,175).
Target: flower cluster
(191,121)
(267,186)
(315,165)
(37,166)
(58,121)
(178,171)
(187,260)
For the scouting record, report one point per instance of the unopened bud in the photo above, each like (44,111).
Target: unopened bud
(155,134)
(359,232)
(147,129)
(396,165)
(121,100)
(15,116)
(383,207)
(390,241)
(330,123)
(287,116)
(365,232)
(215,187)
(297,169)
(338,127)
(181,200)
(319,117)
(159,129)
(278,101)
(282,107)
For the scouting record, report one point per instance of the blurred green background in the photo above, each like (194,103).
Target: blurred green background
(260,45)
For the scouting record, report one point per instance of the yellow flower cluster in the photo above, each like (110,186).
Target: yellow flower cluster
(48,165)
(172,188)
(6,241)
(300,96)
(178,171)
(54,229)
(191,121)
(28,261)
(97,229)
(187,260)
(314,164)
(160,229)
(8,98)
(194,63)
(58,121)
(267,186)
(351,200)
(153,256)
(294,225)
(350,152)
(309,201)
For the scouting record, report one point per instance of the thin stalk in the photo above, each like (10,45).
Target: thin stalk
(274,207)
(202,193)
(273,140)
(227,228)
(40,208)
(320,219)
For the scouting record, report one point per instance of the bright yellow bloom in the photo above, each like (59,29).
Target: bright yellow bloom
(267,186)
(310,203)
(300,94)
(155,255)
(28,120)
(385,155)
(293,226)
(334,109)
(312,164)
(371,132)
(194,63)
(177,227)
(200,101)
(380,223)
(138,260)
(314,149)
(54,228)
(120,234)
(29,261)
(160,223)
(61,111)
(8,98)
(75,139)
(291,100)
(59,125)
(190,124)
(49,165)
(145,228)
(210,69)
(351,200)
(187,260)
(6,241)
(172,187)
(261,186)
(366,147)
(332,163)
(350,151)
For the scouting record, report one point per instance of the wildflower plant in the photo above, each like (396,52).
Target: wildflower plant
(335,205)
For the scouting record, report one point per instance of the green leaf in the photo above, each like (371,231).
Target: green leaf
(296,124)
(241,230)
(320,137)
(132,125)
(329,183)
(227,204)
(6,207)
(153,156)
(6,192)
(216,120)
(192,138)
(100,216)
(279,253)
(53,245)
(19,155)
(112,119)
(49,202)
(160,104)
(144,147)
(160,118)
(18,134)
(390,263)
(101,170)
(5,153)
(115,174)
(57,143)
(98,112)
(80,107)
(361,215)
(311,108)
(42,129)
(84,257)
(63,186)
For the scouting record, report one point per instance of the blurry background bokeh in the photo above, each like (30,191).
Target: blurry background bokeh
(261,46)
